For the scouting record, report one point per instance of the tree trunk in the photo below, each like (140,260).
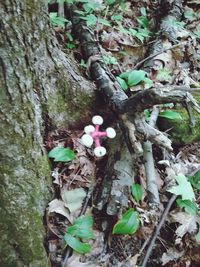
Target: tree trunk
(39,91)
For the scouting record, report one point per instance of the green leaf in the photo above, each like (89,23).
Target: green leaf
(56,20)
(61,154)
(124,75)
(135,77)
(143,11)
(143,21)
(136,191)
(128,224)
(147,114)
(91,19)
(82,227)
(109,60)
(116,17)
(147,81)
(188,205)
(104,22)
(110,2)
(164,75)
(133,32)
(183,188)
(122,83)
(170,114)
(195,180)
(78,246)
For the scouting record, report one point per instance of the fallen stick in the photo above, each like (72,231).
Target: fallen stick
(157,231)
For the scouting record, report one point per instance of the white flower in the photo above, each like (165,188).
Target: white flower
(97,120)
(99,151)
(87,140)
(111,133)
(89,129)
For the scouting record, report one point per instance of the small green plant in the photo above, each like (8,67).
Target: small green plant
(70,40)
(164,75)
(139,33)
(56,20)
(83,64)
(183,188)
(187,205)
(131,78)
(170,115)
(143,21)
(136,191)
(81,229)
(109,60)
(195,180)
(61,154)
(128,224)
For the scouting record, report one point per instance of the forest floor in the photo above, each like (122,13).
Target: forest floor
(143,44)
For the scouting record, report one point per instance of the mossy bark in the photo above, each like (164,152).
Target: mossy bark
(181,131)
(38,88)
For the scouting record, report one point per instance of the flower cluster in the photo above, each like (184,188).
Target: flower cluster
(93,135)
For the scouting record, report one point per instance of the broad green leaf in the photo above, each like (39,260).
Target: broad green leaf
(147,114)
(85,220)
(195,180)
(124,75)
(116,17)
(147,81)
(104,22)
(143,21)
(56,20)
(143,11)
(82,227)
(110,2)
(122,83)
(61,154)
(170,114)
(78,246)
(188,205)
(164,75)
(135,77)
(183,188)
(73,199)
(133,32)
(136,191)
(91,19)
(128,224)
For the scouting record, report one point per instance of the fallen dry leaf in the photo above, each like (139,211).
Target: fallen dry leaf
(188,223)
(170,255)
(58,206)
(73,199)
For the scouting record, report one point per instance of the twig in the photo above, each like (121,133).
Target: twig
(156,54)
(157,230)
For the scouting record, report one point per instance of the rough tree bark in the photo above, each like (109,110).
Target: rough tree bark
(39,91)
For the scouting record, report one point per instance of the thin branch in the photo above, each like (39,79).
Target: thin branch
(157,230)
(152,187)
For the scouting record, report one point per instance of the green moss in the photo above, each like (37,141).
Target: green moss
(180,130)
(66,107)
